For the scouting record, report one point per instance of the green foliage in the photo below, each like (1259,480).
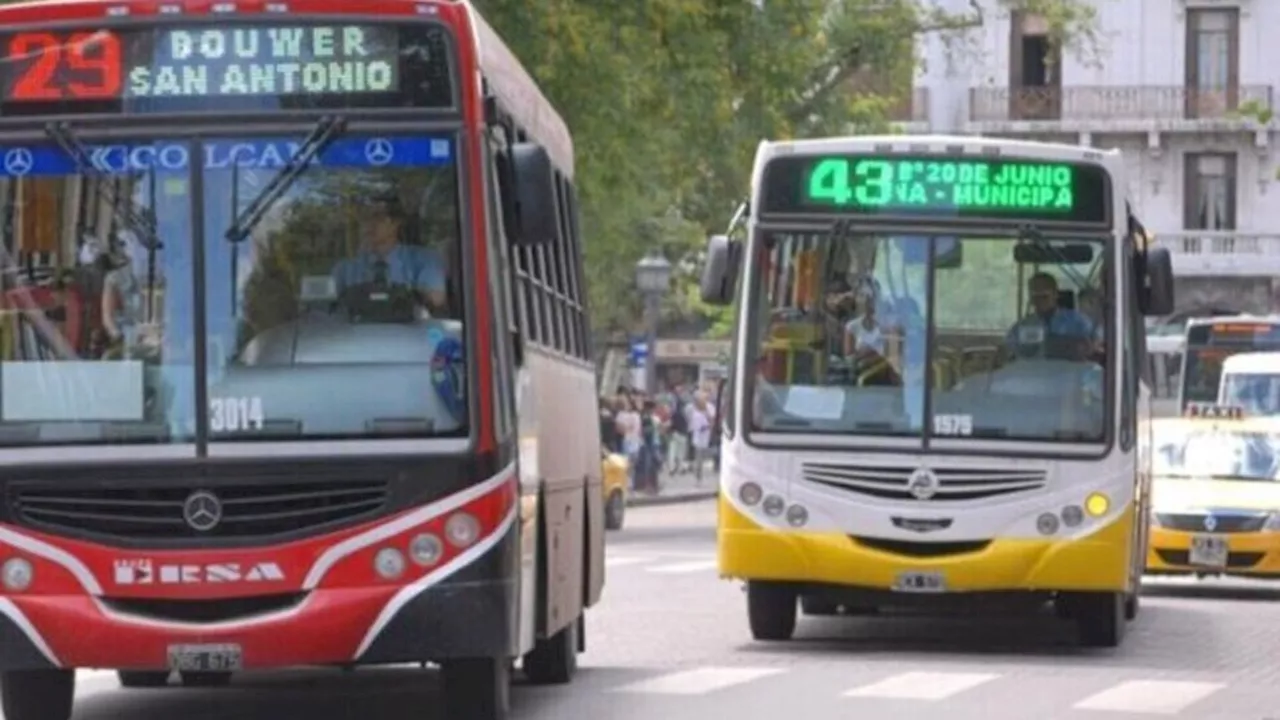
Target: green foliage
(668,99)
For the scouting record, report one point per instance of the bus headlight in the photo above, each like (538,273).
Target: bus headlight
(1072,515)
(389,563)
(774,505)
(1047,523)
(750,493)
(462,529)
(426,549)
(1097,504)
(17,574)
(797,516)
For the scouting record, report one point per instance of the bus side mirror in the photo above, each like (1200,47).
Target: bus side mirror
(719,270)
(536,211)
(1156,298)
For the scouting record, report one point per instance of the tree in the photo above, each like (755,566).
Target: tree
(668,99)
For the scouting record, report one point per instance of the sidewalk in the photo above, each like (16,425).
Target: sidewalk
(678,489)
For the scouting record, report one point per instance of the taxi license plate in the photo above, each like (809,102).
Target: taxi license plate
(1208,551)
(205,658)
(920,582)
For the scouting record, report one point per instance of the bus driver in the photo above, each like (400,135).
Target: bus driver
(1050,331)
(384,259)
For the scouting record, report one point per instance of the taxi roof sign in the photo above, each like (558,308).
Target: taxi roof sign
(1213,411)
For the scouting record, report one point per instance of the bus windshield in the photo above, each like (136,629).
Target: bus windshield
(334,313)
(842,325)
(1208,346)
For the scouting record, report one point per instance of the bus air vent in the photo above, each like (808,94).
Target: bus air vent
(922,549)
(204,611)
(954,484)
(155,512)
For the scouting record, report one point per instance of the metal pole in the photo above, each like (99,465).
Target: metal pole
(652,311)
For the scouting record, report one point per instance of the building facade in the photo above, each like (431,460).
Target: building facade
(1183,87)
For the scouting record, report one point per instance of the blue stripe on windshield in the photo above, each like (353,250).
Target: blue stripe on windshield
(246,153)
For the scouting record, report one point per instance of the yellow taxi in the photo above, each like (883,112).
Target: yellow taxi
(616,471)
(1216,495)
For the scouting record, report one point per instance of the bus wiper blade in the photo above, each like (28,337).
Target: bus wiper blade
(62,135)
(325,132)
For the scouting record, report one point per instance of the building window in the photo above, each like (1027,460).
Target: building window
(1213,62)
(1035,83)
(1210,186)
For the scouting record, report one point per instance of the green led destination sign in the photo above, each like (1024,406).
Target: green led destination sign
(899,185)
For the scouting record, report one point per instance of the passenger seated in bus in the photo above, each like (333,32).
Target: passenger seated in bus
(863,336)
(123,316)
(386,261)
(1050,331)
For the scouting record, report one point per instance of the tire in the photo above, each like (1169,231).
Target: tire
(37,694)
(554,660)
(143,678)
(206,679)
(615,510)
(1100,618)
(477,688)
(771,611)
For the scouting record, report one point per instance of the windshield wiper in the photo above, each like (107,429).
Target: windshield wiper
(82,157)
(325,132)
(1031,234)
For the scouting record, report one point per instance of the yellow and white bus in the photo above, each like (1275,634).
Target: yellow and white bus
(938,390)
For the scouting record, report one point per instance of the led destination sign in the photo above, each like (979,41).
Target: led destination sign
(275,66)
(269,61)
(907,186)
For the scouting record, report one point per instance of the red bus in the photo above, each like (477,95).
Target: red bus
(292,328)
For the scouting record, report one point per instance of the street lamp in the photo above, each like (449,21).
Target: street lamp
(653,276)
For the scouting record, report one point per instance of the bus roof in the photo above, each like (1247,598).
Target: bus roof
(1253,362)
(521,96)
(940,144)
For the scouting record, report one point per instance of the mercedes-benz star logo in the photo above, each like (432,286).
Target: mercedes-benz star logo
(18,162)
(378,152)
(922,484)
(1210,523)
(202,511)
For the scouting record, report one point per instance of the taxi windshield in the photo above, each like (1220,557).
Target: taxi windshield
(1217,451)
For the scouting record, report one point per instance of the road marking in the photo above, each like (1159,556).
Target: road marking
(922,685)
(698,682)
(685,567)
(1157,697)
(623,561)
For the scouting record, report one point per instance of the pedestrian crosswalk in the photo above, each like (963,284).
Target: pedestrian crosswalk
(665,563)
(1096,690)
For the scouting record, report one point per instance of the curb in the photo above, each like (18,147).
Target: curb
(673,499)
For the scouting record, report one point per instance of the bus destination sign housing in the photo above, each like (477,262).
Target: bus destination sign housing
(950,187)
(277,66)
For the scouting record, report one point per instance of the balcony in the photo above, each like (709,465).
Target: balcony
(1231,253)
(1116,108)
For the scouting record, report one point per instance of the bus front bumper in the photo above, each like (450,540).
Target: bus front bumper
(1100,562)
(1250,554)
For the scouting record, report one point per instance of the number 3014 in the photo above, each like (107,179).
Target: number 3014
(235,414)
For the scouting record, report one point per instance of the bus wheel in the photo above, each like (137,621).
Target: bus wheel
(615,510)
(771,610)
(477,688)
(143,678)
(206,679)
(1099,618)
(554,660)
(37,694)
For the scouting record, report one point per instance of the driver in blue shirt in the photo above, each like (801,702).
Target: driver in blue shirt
(385,260)
(1049,326)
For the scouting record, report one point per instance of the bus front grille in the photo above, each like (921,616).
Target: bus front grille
(156,512)
(1221,523)
(893,483)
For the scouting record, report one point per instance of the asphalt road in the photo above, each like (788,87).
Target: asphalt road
(670,642)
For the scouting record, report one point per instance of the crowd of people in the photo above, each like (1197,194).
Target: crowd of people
(674,432)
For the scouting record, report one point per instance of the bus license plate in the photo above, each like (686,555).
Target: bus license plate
(1208,551)
(920,582)
(205,658)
